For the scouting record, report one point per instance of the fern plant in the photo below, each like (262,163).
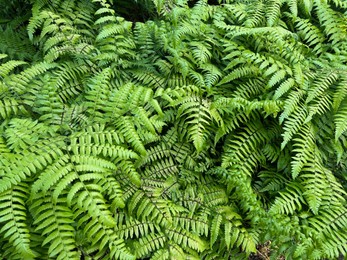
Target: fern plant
(201,133)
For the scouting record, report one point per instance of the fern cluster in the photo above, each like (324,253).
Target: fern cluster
(198,134)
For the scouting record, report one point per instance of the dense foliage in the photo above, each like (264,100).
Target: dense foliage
(173,129)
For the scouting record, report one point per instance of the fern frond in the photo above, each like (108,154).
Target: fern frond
(311,34)
(7,67)
(340,120)
(186,239)
(13,217)
(195,112)
(215,227)
(242,148)
(55,219)
(200,52)
(272,11)
(127,128)
(133,228)
(150,243)
(303,147)
(289,201)
(333,24)
(293,125)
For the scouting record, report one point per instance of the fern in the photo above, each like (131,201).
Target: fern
(173,129)
(13,216)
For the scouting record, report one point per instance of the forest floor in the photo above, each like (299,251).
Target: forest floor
(263,252)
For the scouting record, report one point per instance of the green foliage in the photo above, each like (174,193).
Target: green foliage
(195,131)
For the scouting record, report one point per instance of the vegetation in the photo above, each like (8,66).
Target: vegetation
(173,129)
